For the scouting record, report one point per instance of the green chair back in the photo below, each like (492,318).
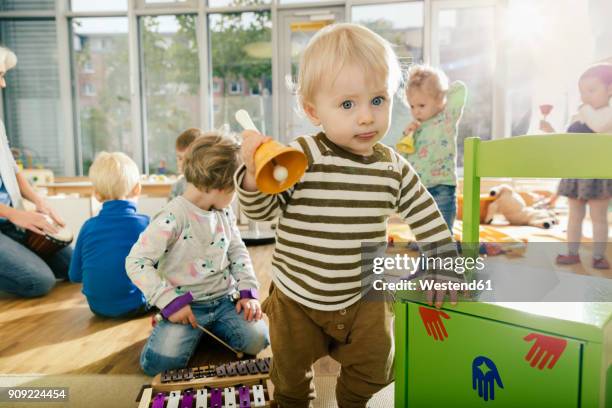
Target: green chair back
(570,155)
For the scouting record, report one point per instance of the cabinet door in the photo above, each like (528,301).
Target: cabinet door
(455,359)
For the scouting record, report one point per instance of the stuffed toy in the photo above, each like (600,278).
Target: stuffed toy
(511,205)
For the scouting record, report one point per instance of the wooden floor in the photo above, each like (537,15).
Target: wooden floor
(58,334)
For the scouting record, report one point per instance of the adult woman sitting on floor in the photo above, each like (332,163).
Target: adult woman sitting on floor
(23,272)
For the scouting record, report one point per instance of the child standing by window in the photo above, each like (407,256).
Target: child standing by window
(191,260)
(105,240)
(436,109)
(320,304)
(594,116)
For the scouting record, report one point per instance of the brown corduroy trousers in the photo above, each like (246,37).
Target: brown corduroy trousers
(359,337)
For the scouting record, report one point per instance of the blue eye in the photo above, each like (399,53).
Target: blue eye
(347,105)
(378,101)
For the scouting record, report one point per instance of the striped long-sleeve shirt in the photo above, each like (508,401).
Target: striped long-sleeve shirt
(342,201)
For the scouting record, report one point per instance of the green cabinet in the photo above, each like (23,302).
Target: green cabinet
(503,355)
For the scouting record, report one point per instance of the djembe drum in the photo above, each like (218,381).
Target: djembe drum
(48,244)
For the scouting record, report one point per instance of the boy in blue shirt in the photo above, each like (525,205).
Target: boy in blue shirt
(106,239)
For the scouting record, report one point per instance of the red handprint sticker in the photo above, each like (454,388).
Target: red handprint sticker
(433,322)
(544,349)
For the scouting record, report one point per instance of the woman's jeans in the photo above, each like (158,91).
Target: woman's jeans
(171,345)
(22,272)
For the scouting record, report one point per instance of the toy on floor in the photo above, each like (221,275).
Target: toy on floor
(539,199)
(493,240)
(242,383)
(511,205)
(485,201)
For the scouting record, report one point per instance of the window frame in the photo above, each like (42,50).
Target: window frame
(498,126)
(62,16)
(66,125)
(89,89)
(235,87)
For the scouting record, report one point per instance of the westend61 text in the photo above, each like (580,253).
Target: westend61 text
(424,285)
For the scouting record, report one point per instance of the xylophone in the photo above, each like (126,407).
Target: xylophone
(238,384)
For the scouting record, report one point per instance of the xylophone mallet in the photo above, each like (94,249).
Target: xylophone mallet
(239,354)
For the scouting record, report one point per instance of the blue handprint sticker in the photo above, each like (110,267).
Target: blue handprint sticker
(484,377)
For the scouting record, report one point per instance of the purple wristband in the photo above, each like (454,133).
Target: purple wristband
(249,294)
(176,305)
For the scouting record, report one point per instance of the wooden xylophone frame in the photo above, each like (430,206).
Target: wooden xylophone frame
(210,376)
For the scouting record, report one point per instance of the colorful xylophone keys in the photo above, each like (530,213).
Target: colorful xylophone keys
(242,396)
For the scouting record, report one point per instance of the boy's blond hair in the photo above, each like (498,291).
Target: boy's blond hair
(430,80)
(211,161)
(114,175)
(339,44)
(186,138)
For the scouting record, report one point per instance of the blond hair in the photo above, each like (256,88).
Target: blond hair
(186,138)
(8,59)
(211,161)
(430,80)
(338,44)
(114,175)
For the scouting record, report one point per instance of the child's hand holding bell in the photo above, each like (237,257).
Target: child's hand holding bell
(251,140)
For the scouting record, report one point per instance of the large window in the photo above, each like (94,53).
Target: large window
(171,84)
(402,25)
(133,68)
(466,51)
(31,99)
(313,2)
(27,5)
(106,5)
(241,52)
(230,3)
(102,89)
(543,66)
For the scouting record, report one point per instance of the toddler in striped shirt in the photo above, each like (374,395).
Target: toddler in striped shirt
(319,302)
